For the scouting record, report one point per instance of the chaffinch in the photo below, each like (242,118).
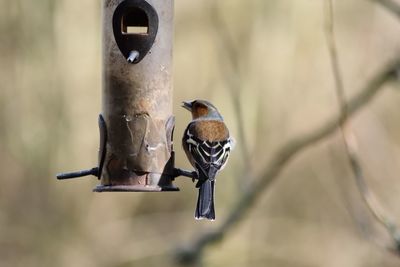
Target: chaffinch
(207,145)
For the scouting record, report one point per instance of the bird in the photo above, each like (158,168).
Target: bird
(207,145)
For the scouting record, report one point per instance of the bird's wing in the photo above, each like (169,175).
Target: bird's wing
(209,156)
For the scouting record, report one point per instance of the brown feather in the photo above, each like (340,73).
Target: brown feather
(199,110)
(210,130)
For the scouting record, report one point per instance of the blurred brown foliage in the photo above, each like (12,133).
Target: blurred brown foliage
(50,67)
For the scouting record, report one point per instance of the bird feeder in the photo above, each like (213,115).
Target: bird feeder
(136,123)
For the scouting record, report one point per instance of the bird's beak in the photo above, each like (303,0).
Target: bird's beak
(187,105)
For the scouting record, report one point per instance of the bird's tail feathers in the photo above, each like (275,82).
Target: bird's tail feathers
(205,201)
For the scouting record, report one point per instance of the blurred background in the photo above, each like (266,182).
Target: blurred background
(266,66)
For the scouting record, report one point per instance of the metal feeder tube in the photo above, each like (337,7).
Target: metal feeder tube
(136,153)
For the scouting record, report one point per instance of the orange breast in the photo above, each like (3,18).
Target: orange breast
(210,130)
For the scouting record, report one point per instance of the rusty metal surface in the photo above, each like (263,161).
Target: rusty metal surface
(133,188)
(137,109)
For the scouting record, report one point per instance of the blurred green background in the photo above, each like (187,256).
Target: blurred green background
(276,61)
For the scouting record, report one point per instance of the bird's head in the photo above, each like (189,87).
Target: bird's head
(202,109)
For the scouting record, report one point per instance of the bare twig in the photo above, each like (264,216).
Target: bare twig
(292,148)
(390,5)
(232,75)
(347,134)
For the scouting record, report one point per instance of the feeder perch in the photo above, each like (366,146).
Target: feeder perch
(136,123)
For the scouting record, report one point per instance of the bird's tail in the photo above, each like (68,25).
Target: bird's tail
(205,201)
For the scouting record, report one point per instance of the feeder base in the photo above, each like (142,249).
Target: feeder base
(133,188)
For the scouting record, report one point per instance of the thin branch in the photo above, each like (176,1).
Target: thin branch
(192,252)
(390,5)
(330,36)
(232,76)
(347,133)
